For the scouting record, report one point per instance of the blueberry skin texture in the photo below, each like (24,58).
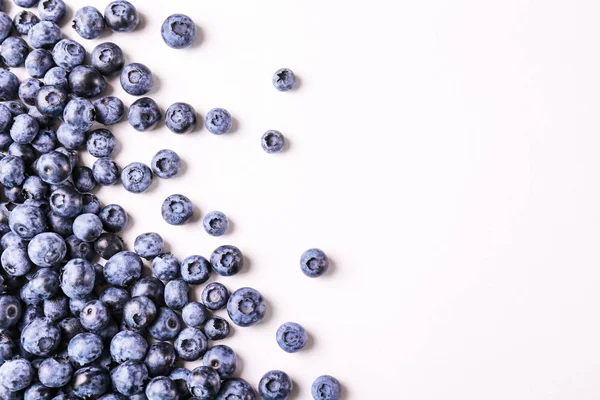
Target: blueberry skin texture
(165,267)
(46,140)
(166,164)
(70,137)
(10,311)
(136,177)
(14,194)
(28,90)
(88,22)
(87,227)
(114,218)
(151,287)
(101,143)
(160,359)
(194,314)
(27,221)
(16,374)
(56,308)
(44,34)
(123,269)
(24,20)
(24,129)
(144,114)
(166,325)
(107,58)
(14,51)
(83,178)
(79,114)
(284,79)
(38,62)
(91,204)
(51,101)
(136,79)
(69,328)
(85,348)
(53,167)
(275,385)
(161,388)
(178,31)
(180,376)
(52,10)
(139,312)
(86,81)
(12,171)
(272,141)
(180,118)
(222,359)
(5,118)
(314,263)
(246,307)
(121,16)
(215,296)
(15,261)
(35,188)
(177,209)
(78,277)
(109,110)
(227,260)
(215,223)
(106,171)
(55,373)
(128,346)
(77,248)
(115,299)
(95,316)
(40,338)
(236,388)
(57,76)
(326,387)
(195,269)
(47,249)
(68,54)
(66,201)
(107,245)
(176,294)
(204,383)
(218,121)
(291,337)
(216,328)
(9,85)
(129,378)
(6,25)
(90,382)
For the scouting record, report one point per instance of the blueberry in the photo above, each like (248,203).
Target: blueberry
(90,382)
(55,373)
(216,328)
(195,269)
(136,177)
(79,114)
(53,167)
(246,307)
(5,117)
(180,376)
(5,26)
(151,287)
(215,296)
(88,22)
(28,90)
(227,260)
(101,143)
(165,267)
(114,218)
(194,314)
(45,141)
(215,223)
(160,359)
(166,164)
(27,221)
(272,141)
(9,85)
(107,245)
(139,312)
(284,80)
(115,299)
(10,311)
(26,3)
(78,277)
(38,391)
(77,248)
(107,58)
(31,313)
(204,383)
(24,129)
(40,337)
(326,387)
(14,51)
(275,385)
(35,188)
(57,76)
(85,348)
(291,337)
(71,137)
(47,249)
(144,114)
(44,34)
(23,22)
(314,263)
(38,63)
(178,31)
(128,346)
(15,261)
(71,155)
(136,79)
(12,171)
(8,348)
(176,294)
(56,308)
(16,374)
(106,171)
(69,328)
(222,359)
(218,121)
(123,269)
(51,101)
(236,388)
(121,16)
(129,378)
(166,325)
(86,81)
(109,110)
(66,201)
(180,118)
(24,151)
(83,178)
(87,227)
(91,204)
(177,209)
(95,316)
(161,388)
(52,10)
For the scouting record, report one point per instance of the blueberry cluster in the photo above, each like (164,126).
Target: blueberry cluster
(72,328)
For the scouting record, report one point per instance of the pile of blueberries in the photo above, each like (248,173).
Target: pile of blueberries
(74,329)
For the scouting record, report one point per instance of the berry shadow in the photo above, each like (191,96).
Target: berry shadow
(199,123)
(310,343)
(142,24)
(156,83)
(67,21)
(197,216)
(298,84)
(199,38)
(235,126)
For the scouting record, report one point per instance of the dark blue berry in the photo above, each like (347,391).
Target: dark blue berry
(275,385)
(139,312)
(218,121)
(177,209)
(165,267)
(23,21)
(314,263)
(129,378)
(178,31)
(78,277)
(216,328)
(51,100)
(85,348)
(90,382)
(47,249)
(326,387)
(109,110)
(106,171)
(166,325)
(136,79)
(215,223)
(52,10)
(180,118)
(246,307)
(14,51)
(194,314)
(68,54)
(88,22)
(176,294)
(136,177)
(215,296)
(107,245)
(291,337)
(166,164)
(28,90)
(284,80)
(44,34)
(204,383)
(128,346)
(144,114)
(121,16)
(227,260)
(114,218)
(160,359)
(86,81)
(222,359)
(272,141)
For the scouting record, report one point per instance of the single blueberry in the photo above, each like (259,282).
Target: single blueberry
(95,316)
(115,298)
(40,337)
(69,136)
(326,387)
(47,249)
(14,51)
(272,141)
(28,90)
(177,209)
(107,58)
(12,171)
(9,86)
(136,177)
(144,114)
(57,76)
(121,16)
(136,79)
(79,114)
(151,287)
(24,129)
(88,22)
(87,227)
(53,167)
(178,31)
(284,80)
(166,164)
(180,118)
(176,294)
(216,328)
(106,171)
(83,178)
(109,110)
(85,348)
(215,223)
(69,328)
(71,155)
(165,267)
(275,385)
(222,359)
(160,359)
(148,245)
(38,63)
(291,337)
(166,325)
(114,218)
(161,388)
(23,21)
(44,34)
(180,376)
(26,3)
(52,10)
(90,382)
(68,54)
(108,244)
(204,383)
(236,388)
(45,283)
(218,121)
(191,344)
(77,279)
(46,140)
(123,269)
(129,378)
(314,263)
(195,269)
(55,372)
(139,312)
(51,101)
(77,248)
(128,346)
(246,307)
(15,261)
(35,188)
(215,296)
(194,314)
(61,225)
(16,374)
(56,308)
(86,81)
(101,143)
(66,201)
(227,260)
(27,221)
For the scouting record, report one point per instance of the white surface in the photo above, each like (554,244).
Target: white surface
(444,153)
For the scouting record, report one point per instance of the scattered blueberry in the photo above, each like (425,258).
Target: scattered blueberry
(136,177)
(38,63)
(57,76)
(16,374)
(109,110)
(28,90)
(166,164)
(272,141)
(176,294)
(275,385)
(165,267)
(284,80)
(160,359)
(85,348)
(222,359)
(326,387)
(178,31)
(55,373)
(216,223)
(107,58)
(114,218)
(123,269)
(314,263)
(139,312)
(291,337)
(87,227)
(177,209)
(79,114)
(195,269)
(9,85)
(51,100)
(194,314)
(215,296)
(121,16)
(136,79)
(106,171)
(52,10)
(90,382)
(88,22)
(216,328)
(14,51)
(144,114)
(246,307)
(218,121)
(23,22)
(129,378)
(204,383)
(107,245)
(166,325)
(101,143)
(227,260)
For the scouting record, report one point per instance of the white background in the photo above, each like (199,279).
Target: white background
(444,153)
